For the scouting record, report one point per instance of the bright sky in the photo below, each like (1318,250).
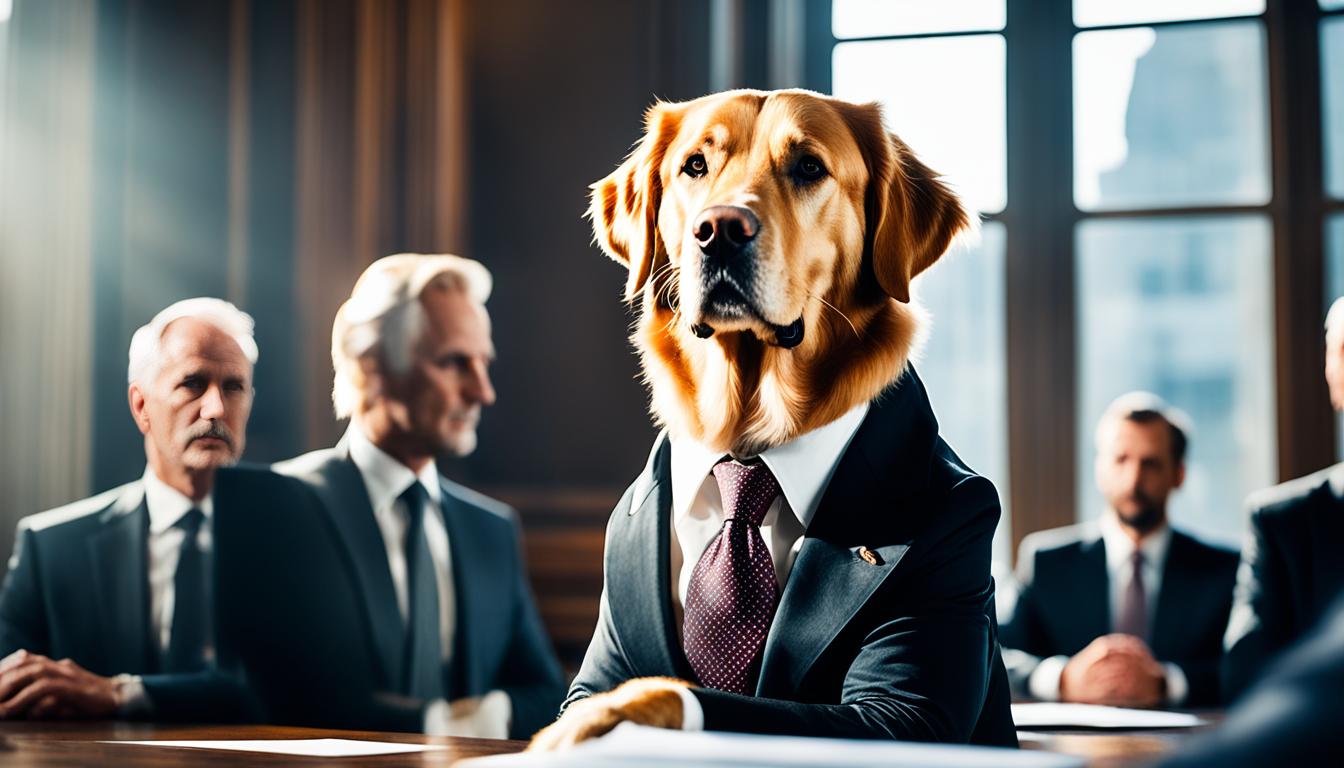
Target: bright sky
(866,18)
(1103,74)
(945,98)
(1091,13)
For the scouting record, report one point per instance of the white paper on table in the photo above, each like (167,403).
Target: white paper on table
(634,745)
(1048,714)
(301,747)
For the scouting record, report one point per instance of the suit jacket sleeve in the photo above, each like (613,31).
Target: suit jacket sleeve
(1022,650)
(924,674)
(1258,623)
(604,665)
(211,696)
(531,675)
(23,621)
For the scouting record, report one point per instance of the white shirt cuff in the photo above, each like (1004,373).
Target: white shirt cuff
(692,714)
(132,700)
(1044,681)
(1177,686)
(484,717)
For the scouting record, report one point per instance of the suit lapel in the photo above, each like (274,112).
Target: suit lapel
(1173,614)
(477,579)
(638,581)
(873,501)
(346,499)
(1090,593)
(120,567)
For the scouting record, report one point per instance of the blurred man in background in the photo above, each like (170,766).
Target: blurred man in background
(384,596)
(116,587)
(1291,567)
(1126,611)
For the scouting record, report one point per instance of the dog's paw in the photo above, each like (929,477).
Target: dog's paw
(652,701)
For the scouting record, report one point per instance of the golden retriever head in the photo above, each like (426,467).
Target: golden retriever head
(771,239)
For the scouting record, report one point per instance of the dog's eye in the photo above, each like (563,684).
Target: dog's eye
(695,166)
(808,169)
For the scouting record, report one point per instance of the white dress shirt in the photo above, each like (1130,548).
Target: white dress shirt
(802,467)
(386,479)
(1044,680)
(166,506)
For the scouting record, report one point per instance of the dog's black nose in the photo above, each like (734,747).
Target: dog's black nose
(724,230)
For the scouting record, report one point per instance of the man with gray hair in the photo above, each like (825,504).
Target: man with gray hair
(1290,568)
(406,606)
(116,586)
(1125,611)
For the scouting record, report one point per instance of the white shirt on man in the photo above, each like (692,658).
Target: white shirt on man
(803,468)
(386,479)
(1044,681)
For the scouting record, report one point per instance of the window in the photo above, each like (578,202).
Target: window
(1174,120)
(1181,307)
(953,117)
(1136,220)
(1332,104)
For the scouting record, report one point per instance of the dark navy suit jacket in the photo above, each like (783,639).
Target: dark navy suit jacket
(78,588)
(1064,603)
(903,649)
(1291,569)
(307,605)
(1291,717)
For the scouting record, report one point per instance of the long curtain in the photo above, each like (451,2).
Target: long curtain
(46,147)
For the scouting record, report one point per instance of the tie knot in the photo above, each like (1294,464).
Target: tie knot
(747,490)
(415,498)
(191,521)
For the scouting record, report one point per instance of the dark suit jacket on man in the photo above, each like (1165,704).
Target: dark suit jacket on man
(1291,717)
(307,602)
(78,588)
(905,648)
(1064,603)
(1291,569)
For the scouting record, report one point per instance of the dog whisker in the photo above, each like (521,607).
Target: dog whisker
(838,312)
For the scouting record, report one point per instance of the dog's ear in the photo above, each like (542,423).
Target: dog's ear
(911,215)
(624,205)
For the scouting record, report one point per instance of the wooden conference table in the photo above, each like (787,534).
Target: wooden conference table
(25,744)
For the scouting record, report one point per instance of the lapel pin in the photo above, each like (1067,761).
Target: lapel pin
(869,556)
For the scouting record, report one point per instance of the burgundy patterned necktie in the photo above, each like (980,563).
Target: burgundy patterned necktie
(732,596)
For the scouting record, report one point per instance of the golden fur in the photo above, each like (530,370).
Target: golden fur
(652,701)
(838,253)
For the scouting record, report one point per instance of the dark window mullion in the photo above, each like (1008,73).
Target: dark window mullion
(1306,437)
(919,36)
(1171,24)
(1042,398)
(1173,212)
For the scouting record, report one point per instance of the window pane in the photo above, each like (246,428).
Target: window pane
(873,18)
(1332,107)
(1170,117)
(1334,288)
(1094,13)
(963,362)
(950,109)
(1183,308)
(1332,5)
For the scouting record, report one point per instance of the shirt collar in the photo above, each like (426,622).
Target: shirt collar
(802,466)
(385,477)
(167,505)
(1119,546)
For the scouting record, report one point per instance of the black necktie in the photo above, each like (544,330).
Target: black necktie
(191,614)
(423,660)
